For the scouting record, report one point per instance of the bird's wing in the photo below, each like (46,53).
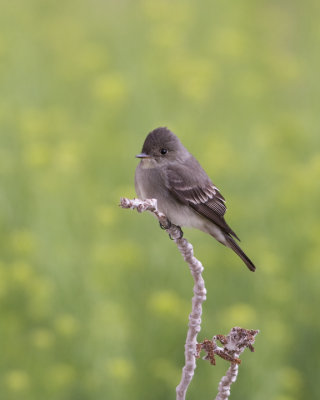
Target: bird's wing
(190,184)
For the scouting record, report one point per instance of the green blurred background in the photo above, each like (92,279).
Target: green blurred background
(94,300)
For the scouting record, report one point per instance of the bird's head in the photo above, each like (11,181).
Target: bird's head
(161,147)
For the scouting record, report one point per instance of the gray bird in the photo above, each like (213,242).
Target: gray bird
(184,192)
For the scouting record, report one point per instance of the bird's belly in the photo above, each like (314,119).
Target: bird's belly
(180,214)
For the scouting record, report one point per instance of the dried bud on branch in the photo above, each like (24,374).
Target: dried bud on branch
(233,345)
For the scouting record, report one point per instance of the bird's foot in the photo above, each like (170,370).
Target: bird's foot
(166,225)
(179,231)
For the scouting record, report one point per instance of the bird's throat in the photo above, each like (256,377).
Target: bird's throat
(148,163)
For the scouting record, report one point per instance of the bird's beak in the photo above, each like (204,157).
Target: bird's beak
(143,155)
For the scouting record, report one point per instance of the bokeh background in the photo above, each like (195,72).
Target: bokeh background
(94,300)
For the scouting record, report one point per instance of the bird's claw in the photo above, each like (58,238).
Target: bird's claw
(180,233)
(167,225)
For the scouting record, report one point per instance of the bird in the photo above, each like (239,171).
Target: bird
(183,190)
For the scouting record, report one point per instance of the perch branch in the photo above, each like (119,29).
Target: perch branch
(199,289)
(233,344)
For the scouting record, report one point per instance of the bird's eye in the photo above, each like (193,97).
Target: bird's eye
(163,151)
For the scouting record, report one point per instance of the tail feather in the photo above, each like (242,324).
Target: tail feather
(234,246)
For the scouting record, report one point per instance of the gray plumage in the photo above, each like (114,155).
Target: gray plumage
(184,192)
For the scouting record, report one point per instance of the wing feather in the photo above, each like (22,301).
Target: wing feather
(197,191)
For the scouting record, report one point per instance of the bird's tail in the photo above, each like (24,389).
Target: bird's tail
(234,246)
